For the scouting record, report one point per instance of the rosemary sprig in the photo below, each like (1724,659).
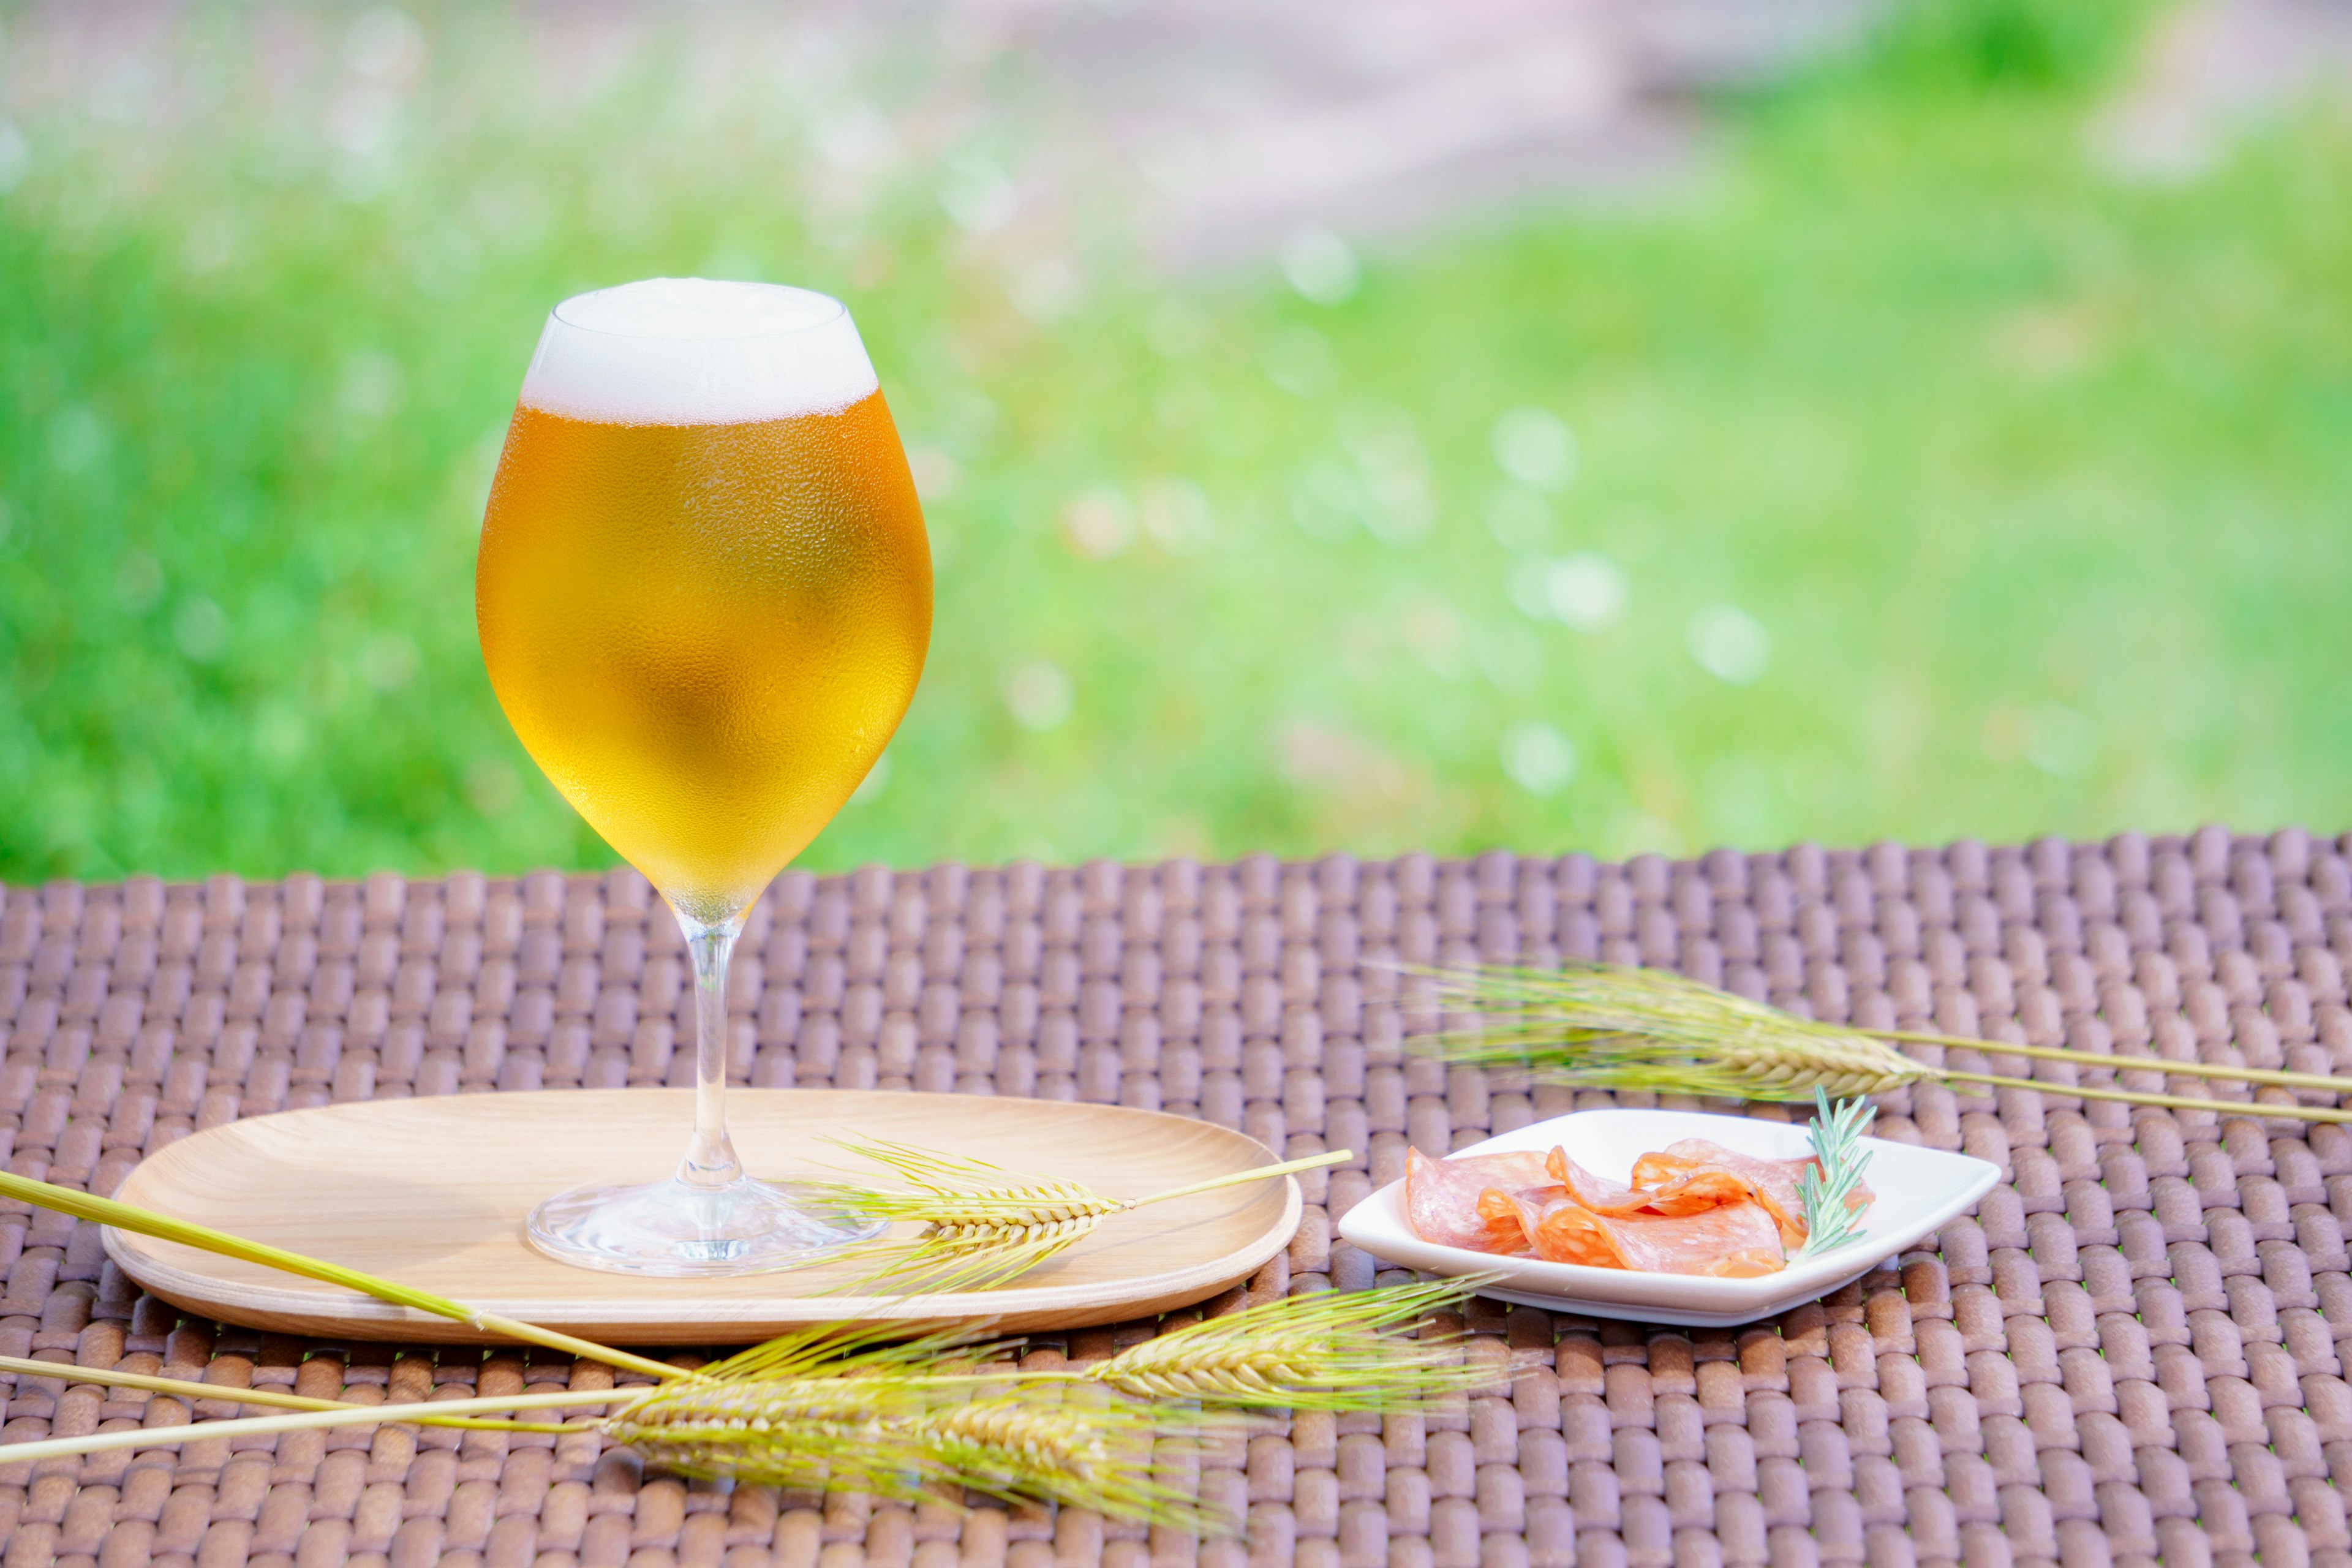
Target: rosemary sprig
(1825,1189)
(979,1228)
(1602,1026)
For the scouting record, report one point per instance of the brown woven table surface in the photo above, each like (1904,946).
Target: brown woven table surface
(2129,1353)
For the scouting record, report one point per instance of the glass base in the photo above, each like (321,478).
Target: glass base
(680,1231)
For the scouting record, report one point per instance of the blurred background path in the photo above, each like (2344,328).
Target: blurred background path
(1226,125)
(2213,69)
(1235,125)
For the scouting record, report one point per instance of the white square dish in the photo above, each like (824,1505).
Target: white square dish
(1916,1190)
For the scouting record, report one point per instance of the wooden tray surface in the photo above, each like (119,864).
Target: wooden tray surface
(433,1193)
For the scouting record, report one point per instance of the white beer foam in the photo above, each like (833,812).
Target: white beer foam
(688,351)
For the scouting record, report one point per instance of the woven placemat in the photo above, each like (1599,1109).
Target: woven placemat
(2129,1353)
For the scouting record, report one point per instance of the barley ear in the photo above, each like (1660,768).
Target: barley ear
(1324,1350)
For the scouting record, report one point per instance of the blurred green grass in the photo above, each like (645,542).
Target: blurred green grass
(1919,480)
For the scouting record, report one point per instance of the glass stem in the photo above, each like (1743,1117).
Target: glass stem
(711,1159)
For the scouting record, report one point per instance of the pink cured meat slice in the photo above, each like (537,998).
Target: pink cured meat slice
(1735,1240)
(1732,1241)
(1597,1193)
(1683,1193)
(1775,1181)
(1442,1198)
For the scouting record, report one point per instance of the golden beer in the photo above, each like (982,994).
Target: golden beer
(705,634)
(704,595)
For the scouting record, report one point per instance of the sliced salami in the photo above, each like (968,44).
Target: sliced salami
(1774,1181)
(1726,1241)
(1692,1191)
(1694,1207)
(1442,1198)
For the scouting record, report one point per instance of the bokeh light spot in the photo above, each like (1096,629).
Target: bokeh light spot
(1538,758)
(1320,265)
(1535,447)
(1730,644)
(1039,696)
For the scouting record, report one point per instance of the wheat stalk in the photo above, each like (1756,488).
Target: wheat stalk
(801,1430)
(146,1222)
(857,1434)
(980,1230)
(265,1398)
(840,1406)
(1326,1349)
(974,1233)
(1090,1453)
(837,1406)
(178,1388)
(831,1401)
(1609,1026)
(435,1414)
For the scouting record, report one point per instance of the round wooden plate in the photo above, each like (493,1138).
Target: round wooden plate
(432,1193)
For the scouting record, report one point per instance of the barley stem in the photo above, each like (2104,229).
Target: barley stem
(2123,1063)
(126,1216)
(1614,1026)
(1263,1172)
(308,1421)
(975,1235)
(180,1388)
(2170,1102)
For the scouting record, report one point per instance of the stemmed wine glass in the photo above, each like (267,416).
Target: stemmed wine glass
(705,595)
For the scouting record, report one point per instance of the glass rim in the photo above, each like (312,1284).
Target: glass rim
(835,309)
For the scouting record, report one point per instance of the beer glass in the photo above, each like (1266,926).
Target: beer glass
(703,594)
